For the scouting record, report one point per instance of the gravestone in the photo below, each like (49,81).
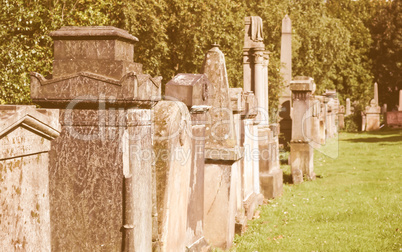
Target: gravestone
(348,111)
(249,141)
(101,165)
(221,153)
(301,152)
(237,102)
(400,100)
(373,116)
(192,90)
(286,71)
(173,150)
(25,137)
(341,117)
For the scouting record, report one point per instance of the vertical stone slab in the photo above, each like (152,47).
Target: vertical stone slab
(348,111)
(97,165)
(173,150)
(192,90)
(301,152)
(286,71)
(341,117)
(373,116)
(238,107)
(25,138)
(400,100)
(221,155)
(376,93)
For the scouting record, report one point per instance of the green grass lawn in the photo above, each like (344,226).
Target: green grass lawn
(353,205)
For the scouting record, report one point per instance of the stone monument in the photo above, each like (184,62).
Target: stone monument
(192,90)
(100,168)
(301,152)
(222,155)
(372,113)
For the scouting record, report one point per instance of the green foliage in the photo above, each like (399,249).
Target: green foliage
(330,42)
(386,53)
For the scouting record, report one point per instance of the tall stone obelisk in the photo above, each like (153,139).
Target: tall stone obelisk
(285,106)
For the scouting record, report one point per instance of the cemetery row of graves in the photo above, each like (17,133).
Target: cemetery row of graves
(108,164)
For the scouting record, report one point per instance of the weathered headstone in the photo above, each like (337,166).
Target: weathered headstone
(238,106)
(286,71)
(25,136)
(301,152)
(341,117)
(347,112)
(373,116)
(221,153)
(192,90)
(173,150)
(101,165)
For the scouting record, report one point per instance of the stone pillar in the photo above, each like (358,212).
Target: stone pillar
(373,116)
(222,155)
(347,107)
(25,138)
(286,71)
(376,93)
(315,122)
(400,100)
(301,152)
(192,90)
(341,117)
(253,41)
(101,164)
(259,87)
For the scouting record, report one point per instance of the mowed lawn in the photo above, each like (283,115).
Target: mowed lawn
(354,204)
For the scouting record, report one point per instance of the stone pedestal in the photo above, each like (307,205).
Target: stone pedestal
(25,138)
(101,186)
(192,90)
(301,152)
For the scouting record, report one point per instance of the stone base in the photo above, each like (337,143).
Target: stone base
(201,245)
(271,183)
(301,161)
(251,204)
(240,225)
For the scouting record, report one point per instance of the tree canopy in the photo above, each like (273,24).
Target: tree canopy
(343,44)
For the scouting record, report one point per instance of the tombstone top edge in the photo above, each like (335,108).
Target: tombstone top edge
(92,32)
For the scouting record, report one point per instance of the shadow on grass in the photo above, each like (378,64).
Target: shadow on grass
(375,139)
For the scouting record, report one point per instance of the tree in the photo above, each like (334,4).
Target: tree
(386,31)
